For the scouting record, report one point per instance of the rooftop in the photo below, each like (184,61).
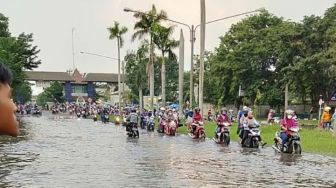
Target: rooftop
(48,76)
(101,77)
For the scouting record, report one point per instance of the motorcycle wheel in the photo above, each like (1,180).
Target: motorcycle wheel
(297,149)
(202,135)
(227,140)
(255,143)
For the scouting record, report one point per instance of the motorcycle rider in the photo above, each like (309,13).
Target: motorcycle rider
(132,119)
(150,116)
(241,114)
(222,118)
(248,122)
(197,118)
(286,124)
(176,116)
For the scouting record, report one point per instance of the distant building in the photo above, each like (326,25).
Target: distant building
(75,84)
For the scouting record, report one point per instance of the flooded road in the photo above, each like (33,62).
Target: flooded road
(81,153)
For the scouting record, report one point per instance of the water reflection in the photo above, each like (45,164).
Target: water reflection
(65,152)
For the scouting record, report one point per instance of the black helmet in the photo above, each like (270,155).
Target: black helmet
(197,109)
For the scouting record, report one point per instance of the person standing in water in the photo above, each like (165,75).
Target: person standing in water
(8,122)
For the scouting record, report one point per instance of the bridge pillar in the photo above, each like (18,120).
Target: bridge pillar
(68,91)
(91,90)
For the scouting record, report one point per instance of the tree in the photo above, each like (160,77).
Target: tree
(116,33)
(18,54)
(165,45)
(23,93)
(251,55)
(53,93)
(145,26)
(4,31)
(135,68)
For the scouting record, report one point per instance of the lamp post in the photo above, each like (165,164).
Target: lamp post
(192,30)
(103,56)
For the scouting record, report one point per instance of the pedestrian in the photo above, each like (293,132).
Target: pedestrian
(8,122)
(270,119)
(311,111)
(326,117)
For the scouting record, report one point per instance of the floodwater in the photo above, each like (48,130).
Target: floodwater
(82,153)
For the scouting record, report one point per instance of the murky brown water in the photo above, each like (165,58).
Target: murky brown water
(81,153)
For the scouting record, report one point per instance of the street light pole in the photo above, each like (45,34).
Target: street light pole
(191,86)
(192,30)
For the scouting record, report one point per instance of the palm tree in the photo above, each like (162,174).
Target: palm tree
(116,32)
(145,26)
(166,45)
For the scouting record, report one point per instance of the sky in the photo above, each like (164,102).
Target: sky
(52,22)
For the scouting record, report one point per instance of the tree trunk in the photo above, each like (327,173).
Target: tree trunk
(151,75)
(123,80)
(163,80)
(119,103)
(140,99)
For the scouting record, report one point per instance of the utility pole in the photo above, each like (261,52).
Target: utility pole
(191,86)
(202,46)
(286,99)
(73,50)
(181,72)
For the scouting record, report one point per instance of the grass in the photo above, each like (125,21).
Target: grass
(313,140)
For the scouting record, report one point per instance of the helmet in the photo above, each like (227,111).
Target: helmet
(162,109)
(289,114)
(327,109)
(133,110)
(197,109)
(223,110)
(245,108)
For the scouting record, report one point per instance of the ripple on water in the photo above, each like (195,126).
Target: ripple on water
(65,152)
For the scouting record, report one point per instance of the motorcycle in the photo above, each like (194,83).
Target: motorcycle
(132,130)
(150,124)
(163,124)
(170,128)
(105,118)
(197,132)
(253,139)
(293,145)
(36,111)
(143,122)
(223,137)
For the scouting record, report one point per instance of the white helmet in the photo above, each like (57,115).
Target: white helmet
(245,108)
(289,114)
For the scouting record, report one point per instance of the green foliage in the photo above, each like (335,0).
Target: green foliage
(264,52)
(136,64)
(116,32)
(22,92)
(53,93)
(18,54)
